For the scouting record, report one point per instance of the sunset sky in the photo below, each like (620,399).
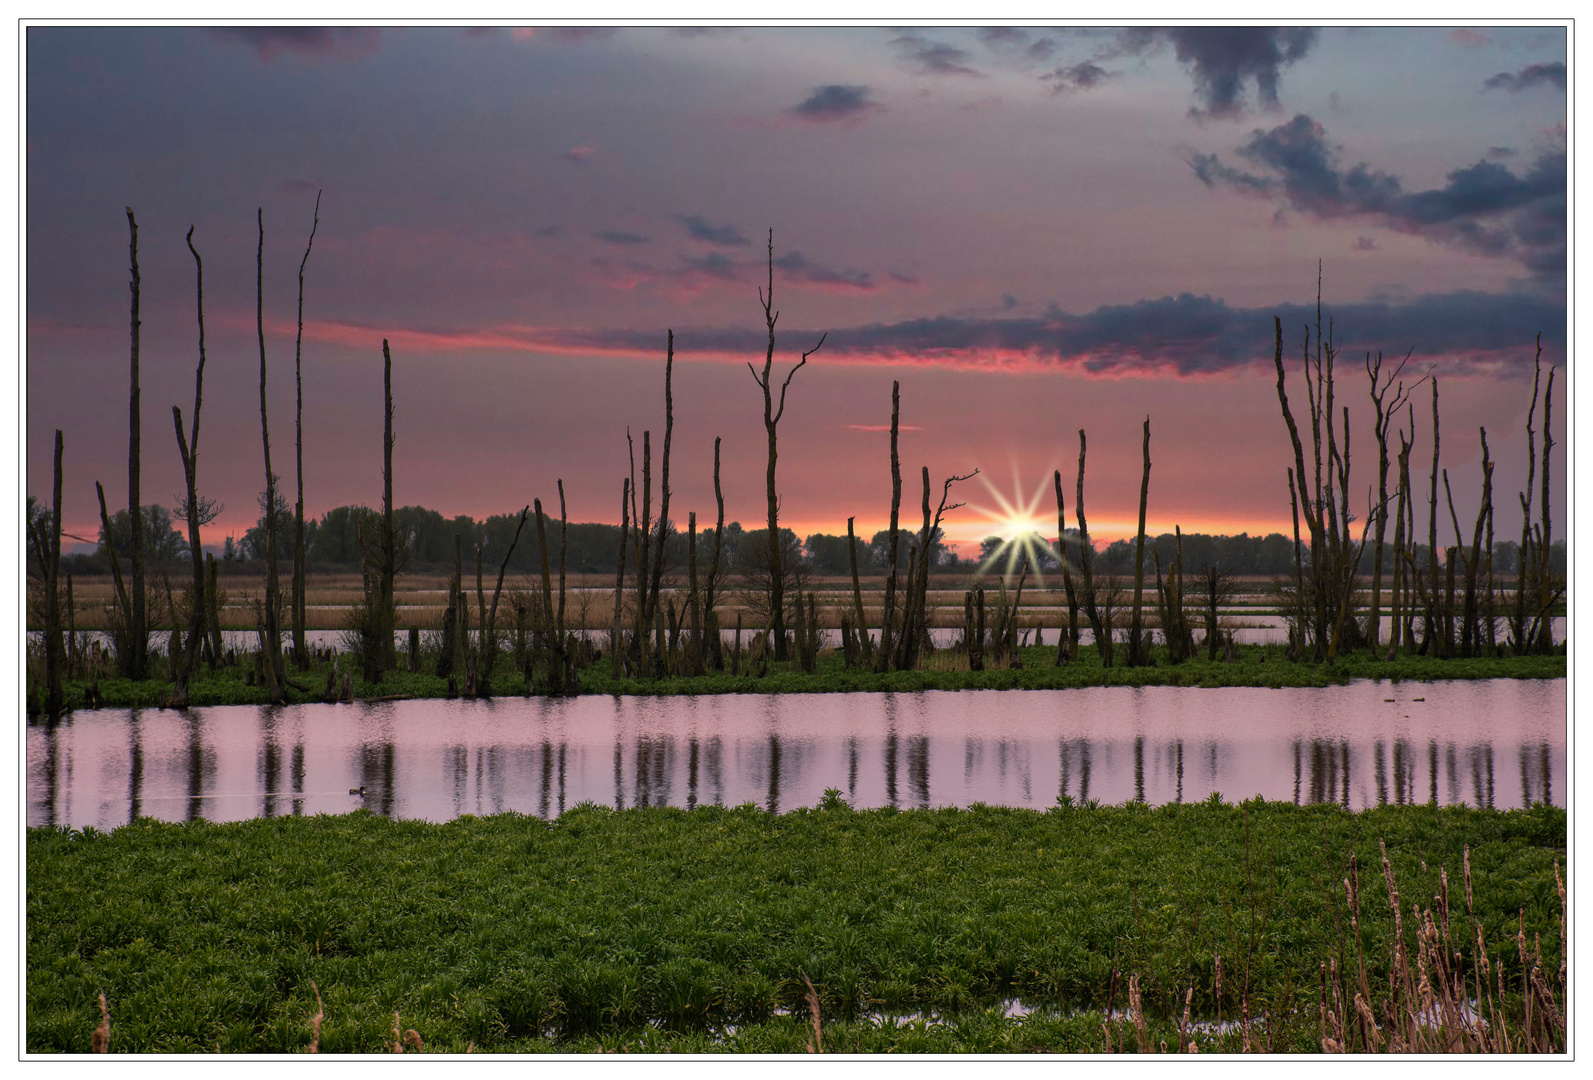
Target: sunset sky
(1035,229)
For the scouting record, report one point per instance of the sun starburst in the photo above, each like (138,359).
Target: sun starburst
(1020,525)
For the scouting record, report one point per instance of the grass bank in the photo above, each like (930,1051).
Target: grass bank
(655,929)
(1256,665)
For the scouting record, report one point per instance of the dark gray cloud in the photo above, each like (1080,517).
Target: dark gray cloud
(798,267)
(1223,60)
(1484,208)
(326,42)
(715,264)
(834,102)
(576,35)
(621,239)
(1549,74)
(701,228)
(1003,37)
(933,57)
(1183,335)
(1082,76)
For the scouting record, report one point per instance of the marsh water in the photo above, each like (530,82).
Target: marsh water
(1499,743)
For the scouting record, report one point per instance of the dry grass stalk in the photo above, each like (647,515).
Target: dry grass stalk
(815,1044)
(315,1021)
(403,1036)
(102,1034)
(1139,1014)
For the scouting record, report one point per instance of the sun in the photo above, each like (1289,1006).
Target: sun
(1020,524)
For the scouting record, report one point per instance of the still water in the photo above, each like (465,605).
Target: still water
(1494,743)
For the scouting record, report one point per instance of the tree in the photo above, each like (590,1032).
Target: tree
(254,540)
(160,541)
(771,419)
(756,573)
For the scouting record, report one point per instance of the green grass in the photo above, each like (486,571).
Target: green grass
(1256,666)
(654,929)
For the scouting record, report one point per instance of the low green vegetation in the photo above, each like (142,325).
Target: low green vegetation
(1255,665)
(668,929)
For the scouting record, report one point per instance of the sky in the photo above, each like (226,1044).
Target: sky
(1033,229)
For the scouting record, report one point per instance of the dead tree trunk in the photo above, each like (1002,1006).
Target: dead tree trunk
(555,639)
(489,643)
(695,600)
(884,655)
(865,643)
(1099,627)
(301,656)
(137,662)
(771,418)
(657,569)
(1435,634)
(271,628)
(1067,645)
(1137,653)
(1396,629)
(1383,414)
(49,548)
(643,654)
(710,595)
(389,541)
(188,447)
(1548,593)
(616,643)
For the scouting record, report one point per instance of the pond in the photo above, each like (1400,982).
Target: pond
(1499,743)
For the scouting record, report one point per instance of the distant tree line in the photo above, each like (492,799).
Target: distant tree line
(332,543)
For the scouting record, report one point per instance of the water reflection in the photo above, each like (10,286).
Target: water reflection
(437,760)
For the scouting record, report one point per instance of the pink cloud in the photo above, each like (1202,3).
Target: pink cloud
(1471,39)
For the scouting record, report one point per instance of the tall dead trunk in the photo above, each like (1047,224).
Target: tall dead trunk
(1137,653)
(695,601)
(1099,626)
(489,645)
(1396,636)
(771,418)
(883,661)
(49,549)
(389,647)
(1313,516)
(1434,626)
(865,643)
(1546,586)
(917,587)
(1067,644)
(271,628)
(301,655)
(710,596)
(1383,414)
(564,534)
(555,640)
(137,662)
(616,643)
(644,655)
(1297,644)
(188,447)
(657,569)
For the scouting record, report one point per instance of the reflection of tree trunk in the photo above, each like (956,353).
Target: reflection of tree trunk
(1137,653)
(137,664)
